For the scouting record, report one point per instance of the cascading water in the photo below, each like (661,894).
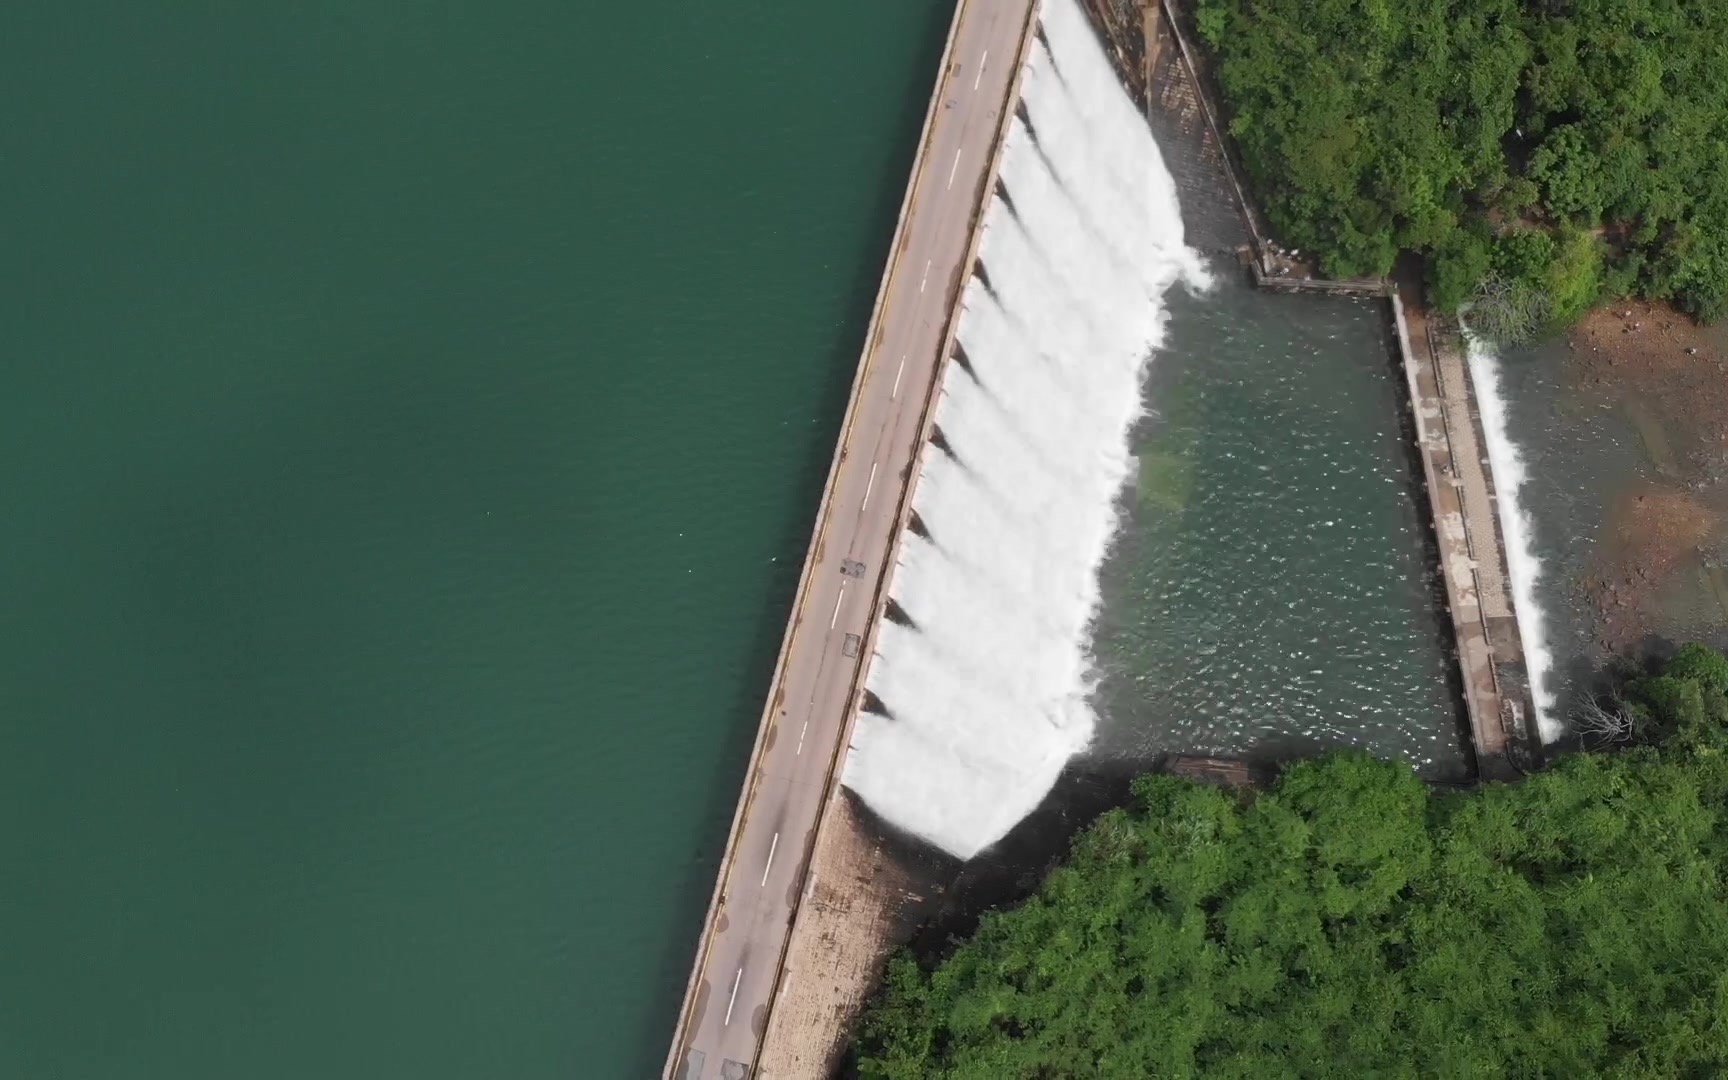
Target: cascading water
(980,680)
(1522,565)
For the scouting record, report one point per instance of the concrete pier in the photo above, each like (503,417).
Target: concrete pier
(742,977)
(1466,519)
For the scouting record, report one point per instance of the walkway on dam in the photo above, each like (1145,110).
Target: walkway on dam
(801,738)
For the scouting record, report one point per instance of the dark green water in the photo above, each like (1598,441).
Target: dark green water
(1273,590)
(410,428)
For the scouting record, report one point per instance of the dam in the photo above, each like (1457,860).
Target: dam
(936,676)
(763,877)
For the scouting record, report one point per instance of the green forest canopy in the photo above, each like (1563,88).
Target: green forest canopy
(1574,148)
(1348,923)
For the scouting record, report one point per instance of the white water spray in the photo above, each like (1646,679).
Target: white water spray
(1522,565)
(985,692)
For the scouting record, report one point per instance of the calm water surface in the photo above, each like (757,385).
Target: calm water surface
(411,423)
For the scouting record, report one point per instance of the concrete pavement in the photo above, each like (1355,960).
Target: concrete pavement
(799,744)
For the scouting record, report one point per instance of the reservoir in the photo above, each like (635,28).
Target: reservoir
(412,422)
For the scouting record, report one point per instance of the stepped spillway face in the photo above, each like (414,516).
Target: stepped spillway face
(980,678)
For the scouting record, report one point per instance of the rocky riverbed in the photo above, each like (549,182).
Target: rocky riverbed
(1658,571)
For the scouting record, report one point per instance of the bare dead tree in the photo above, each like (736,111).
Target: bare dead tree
(1604,722)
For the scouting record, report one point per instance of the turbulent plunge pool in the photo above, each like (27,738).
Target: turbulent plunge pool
(1273,589)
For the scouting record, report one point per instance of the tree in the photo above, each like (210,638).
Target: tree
(1370,128)
(1346,922)
(1603,723)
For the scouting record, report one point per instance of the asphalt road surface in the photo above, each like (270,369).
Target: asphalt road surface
(739,964)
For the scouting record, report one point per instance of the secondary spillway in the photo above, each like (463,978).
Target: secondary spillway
(980,679)
(1522,565)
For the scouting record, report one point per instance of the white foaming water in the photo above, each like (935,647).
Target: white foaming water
(986,692)
(1522,564)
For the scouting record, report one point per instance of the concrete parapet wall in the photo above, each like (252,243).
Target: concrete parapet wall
(1189,78)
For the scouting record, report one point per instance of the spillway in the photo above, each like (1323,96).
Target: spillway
(1523,567)
(980,678)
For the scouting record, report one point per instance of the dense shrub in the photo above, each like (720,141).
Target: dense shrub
(1370,127)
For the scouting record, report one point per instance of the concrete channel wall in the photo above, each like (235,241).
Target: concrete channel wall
(1472,556)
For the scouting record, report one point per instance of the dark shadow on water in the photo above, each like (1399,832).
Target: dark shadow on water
(956,894)
(1586,679)
(769,623)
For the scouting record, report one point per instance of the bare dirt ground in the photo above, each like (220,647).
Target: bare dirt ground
(1670,377)
(864,901)
(1658,533)
(1655,352)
